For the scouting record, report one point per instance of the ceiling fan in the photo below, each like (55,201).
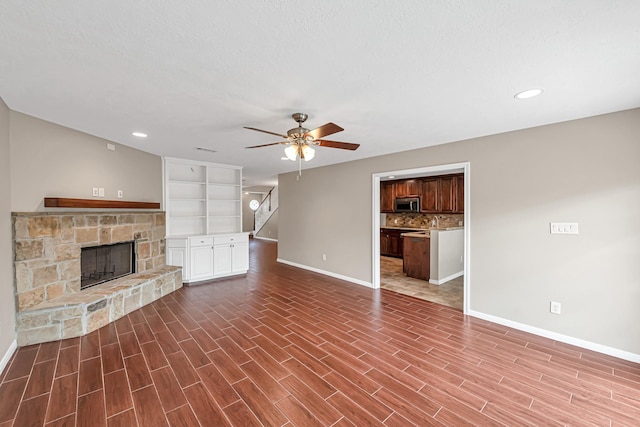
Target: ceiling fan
(300,141)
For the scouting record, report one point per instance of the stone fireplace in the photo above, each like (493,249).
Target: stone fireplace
(48,273)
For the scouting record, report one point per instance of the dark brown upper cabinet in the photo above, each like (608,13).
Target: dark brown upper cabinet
(429,202)
(447,192)
(387,196)
(459,185)
(408,188)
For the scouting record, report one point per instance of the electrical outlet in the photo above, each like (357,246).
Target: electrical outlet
(564,228)
(100,192)
(555,307)
(120,194)
(95,192)
(324,257)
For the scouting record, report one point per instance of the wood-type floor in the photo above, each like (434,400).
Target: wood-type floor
(288,347)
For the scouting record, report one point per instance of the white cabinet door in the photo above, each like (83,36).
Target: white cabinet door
(240,257)
(201,263)
(222,257)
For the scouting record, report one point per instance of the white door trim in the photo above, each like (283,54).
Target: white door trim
(425,171)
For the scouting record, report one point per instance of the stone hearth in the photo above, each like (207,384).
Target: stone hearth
(47,248)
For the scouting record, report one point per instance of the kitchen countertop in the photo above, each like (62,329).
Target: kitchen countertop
(403,228)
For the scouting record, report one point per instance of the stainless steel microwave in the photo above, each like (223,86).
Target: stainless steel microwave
(409,204)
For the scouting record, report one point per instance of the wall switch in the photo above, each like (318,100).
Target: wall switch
(324,257)
(111,147)
(120,194)
(95,192)
(564,228)
(555,307)
(100,192)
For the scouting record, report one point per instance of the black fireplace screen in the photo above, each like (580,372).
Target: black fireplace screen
(100,264)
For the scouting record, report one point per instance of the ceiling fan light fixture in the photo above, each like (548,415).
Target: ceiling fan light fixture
(291,152)
(308,152)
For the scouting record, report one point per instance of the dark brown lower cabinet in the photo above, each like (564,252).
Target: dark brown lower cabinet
(391,242)
(417,257)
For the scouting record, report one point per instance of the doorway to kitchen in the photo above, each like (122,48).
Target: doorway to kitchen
(426,229)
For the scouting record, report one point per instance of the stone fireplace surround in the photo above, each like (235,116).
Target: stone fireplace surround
(47,247)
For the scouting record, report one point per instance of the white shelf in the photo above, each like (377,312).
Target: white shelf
(202,198)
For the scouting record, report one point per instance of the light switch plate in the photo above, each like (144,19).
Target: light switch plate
(564,228)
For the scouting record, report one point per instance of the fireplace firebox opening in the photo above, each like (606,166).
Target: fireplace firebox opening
(99,264)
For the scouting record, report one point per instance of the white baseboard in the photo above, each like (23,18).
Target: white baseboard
(265,238)
(7,356)
(446,279)
(621,354)
(327,273)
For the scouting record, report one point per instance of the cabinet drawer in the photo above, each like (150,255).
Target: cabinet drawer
(230,238)
(201,241)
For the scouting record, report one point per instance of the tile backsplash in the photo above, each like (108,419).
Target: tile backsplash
(418,220)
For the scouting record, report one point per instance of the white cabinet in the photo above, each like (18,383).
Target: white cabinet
(209,257)
(200,258)
(201,198)
(230,254)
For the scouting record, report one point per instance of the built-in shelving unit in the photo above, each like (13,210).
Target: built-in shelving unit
(202,198)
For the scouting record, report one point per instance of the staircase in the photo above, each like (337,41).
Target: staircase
(266,209)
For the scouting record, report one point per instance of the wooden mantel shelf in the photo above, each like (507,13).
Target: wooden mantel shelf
(60,202)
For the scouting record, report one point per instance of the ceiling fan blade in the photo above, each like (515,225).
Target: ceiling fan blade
(266,131)
(324,130)
(336,144)
(266,145)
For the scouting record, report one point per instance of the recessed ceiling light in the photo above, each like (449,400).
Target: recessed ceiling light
(206,149)
(139,134)
(529,93)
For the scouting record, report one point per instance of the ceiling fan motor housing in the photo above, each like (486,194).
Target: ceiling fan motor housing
(297,133)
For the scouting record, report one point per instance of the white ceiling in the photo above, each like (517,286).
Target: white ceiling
(395,75)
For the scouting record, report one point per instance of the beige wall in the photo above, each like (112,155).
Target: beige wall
(49,160)
(7,299)
(583,171)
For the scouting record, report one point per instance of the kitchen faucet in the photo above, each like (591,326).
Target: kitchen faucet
(435,221)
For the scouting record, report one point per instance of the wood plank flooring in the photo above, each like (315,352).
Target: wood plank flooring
(287,347)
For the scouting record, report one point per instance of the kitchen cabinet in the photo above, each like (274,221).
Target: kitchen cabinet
(416,261)
(408,188)
(230,254)
(391,242)
(387,196)
(459,189)
(447,194)
(209,257)
(429,202)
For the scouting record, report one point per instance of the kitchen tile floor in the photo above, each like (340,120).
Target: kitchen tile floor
(392,278)
(288,347)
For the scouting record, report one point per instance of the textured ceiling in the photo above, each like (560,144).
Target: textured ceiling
(395,75)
